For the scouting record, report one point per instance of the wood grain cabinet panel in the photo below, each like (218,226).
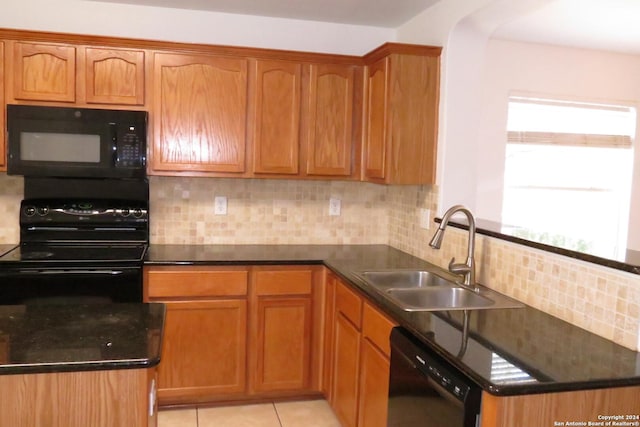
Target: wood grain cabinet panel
(546,409)
(111,398)
(204,351)
(402,114)
(282,329)
(359,375)
(374,386)
(114,76)
(346,347)
(200,113)
(374,367)
(44,72)
(375,151)
(277,117)
(346,354)
(330,135)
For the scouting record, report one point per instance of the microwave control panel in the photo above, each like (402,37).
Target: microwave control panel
(129,150)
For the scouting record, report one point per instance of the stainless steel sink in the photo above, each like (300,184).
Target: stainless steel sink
(444,298)
(391,279)
(432,290)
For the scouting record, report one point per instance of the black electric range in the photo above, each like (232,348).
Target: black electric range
(87,246)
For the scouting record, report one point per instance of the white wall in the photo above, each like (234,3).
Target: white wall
(542,69)
(463,28)
(111,19)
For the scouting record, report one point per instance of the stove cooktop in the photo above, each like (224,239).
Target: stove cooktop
(77,253)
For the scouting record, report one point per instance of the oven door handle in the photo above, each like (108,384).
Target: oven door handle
(107,272)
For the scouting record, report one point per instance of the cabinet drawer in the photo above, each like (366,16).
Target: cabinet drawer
(196,282)
(283,282)
(349,304)
(376,327)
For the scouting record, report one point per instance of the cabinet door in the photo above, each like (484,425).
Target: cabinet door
(281,329)
(283,344)
(345,371)
(3,142)
(204,351)
(329,131)
(412,120)
(277,117)
(374,368)
(375,152)
(114,76)
(374,386)
(44,72)
(200,111)
(329,328)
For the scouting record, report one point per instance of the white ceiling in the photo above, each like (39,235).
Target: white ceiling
(377,13)
(597,24)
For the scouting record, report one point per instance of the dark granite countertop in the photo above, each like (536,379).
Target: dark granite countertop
(65,338)
(508,351)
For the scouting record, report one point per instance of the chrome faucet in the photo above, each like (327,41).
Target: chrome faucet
(468,269)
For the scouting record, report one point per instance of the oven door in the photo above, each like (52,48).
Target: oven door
(425,390)
(70,285)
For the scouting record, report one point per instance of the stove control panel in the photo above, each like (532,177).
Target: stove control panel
(52,211)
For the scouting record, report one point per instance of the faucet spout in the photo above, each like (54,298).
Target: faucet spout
(467,270)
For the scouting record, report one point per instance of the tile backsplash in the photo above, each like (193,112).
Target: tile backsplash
(11,193)
(261,211)
(602,300)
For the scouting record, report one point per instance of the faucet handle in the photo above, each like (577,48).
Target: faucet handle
(458,268)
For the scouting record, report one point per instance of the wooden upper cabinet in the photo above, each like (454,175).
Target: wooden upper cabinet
(276,125)
(375,152)
(330,135)
(402,114)
(199,113)
(44,72)
(114,76)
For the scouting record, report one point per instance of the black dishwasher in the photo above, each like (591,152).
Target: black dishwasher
(425,390)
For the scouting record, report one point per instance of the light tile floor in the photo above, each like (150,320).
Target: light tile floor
(311,413)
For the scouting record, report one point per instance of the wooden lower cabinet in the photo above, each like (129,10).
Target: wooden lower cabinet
(204,350)
(112,398)
(282,333)
(360,352)
(238,333)
(550,409)
(345,371)
(374,386)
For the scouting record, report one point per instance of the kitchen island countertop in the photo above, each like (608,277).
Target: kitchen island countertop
(509,351)
(70,337)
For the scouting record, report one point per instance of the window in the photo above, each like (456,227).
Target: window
(569,166)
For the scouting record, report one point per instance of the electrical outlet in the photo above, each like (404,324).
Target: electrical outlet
(425,219)
(220,205)
(334,207)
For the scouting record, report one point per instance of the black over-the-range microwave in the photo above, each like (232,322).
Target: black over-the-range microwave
(45,141)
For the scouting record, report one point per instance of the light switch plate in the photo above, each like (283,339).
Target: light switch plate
(220,205)
(334,206)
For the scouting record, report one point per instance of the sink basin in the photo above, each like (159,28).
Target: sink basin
(443,298)
(432,290)
(405,279)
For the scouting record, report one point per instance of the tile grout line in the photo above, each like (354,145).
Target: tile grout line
(275,408)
